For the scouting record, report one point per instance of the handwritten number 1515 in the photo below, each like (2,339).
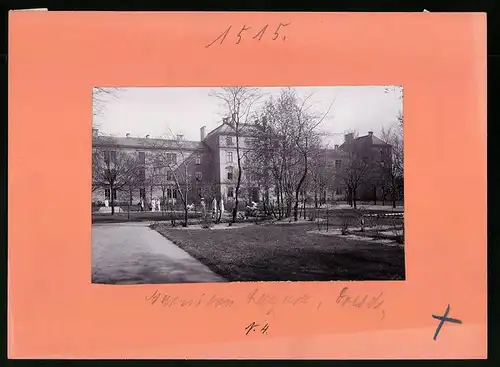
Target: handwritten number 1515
(245,30)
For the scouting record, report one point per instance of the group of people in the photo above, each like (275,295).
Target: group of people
(155,205)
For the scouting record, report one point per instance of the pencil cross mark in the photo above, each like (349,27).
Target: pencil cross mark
(444,319)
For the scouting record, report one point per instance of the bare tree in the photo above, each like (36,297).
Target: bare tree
(393,171)
(322,176)
(114,170)
(167,151)
(353,171)
(100,97)
(239,104)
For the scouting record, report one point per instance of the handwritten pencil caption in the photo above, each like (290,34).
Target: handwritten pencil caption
(247,31)
(345,298)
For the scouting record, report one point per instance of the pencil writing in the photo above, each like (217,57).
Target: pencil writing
(247,30)
(253,327)
(347,298)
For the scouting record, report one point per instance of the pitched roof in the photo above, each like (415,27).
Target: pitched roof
(145,143)
(225,128)
(367,139)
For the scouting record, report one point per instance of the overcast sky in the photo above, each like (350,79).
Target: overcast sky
(154,110)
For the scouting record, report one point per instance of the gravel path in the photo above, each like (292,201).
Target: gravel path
(136,254)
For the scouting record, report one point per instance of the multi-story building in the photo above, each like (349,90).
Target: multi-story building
(208,168)
(368,160)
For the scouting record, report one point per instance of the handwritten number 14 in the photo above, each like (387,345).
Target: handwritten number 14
(253,327)
(258,36)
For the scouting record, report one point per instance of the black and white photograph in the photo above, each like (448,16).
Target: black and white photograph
(245,184)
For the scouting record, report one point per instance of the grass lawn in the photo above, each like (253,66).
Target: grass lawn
(286,252)
(140,217)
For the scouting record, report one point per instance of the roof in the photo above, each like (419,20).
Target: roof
(145,143)
(367,139)
(227,129)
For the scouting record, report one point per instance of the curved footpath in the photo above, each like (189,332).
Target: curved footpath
(133,253)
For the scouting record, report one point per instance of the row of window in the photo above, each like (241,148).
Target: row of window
(229,140)
(230,174)
(170,158)
(170,193)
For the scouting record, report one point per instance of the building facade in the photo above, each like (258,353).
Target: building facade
(170,170)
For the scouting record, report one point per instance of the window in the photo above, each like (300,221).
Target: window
(229,173)
(338,163)
(142,174)
(169,176)
(230,192)
(142,193)
(171,193)
(106,193)
(198,176)
(171,158)
(142,157)
(229,157)
(229,140)
(109,157)
(198,159)
(114,194)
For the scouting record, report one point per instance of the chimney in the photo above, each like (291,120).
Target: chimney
(202,133)
(370,133)
(336,147)
(235,115)
(348,137)
(95,132)
(225,120)
(179,137)
(147,136)
(128,135)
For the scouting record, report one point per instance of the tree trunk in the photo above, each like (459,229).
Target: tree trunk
(374,195)
(316,198)
(297,191)
(238,182)
(305,207)
(129,204)
(393,193)
(282,207)
(185,215)
(112,200)
(354,197)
